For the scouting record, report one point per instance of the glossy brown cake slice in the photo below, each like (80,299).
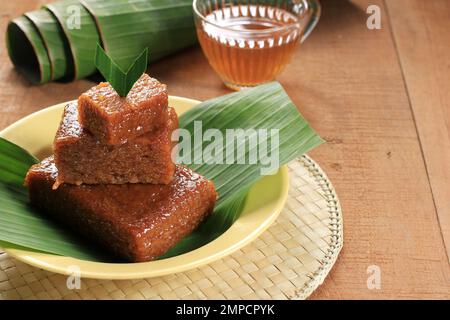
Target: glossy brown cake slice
(114,120)
(137,222)
(80,158)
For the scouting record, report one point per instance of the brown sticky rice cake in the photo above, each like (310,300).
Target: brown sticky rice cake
(137,222)
(113,119)
(80,158)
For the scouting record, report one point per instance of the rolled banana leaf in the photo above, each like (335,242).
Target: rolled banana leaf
(55,42)
(128,27)
(27,50)
(59,41)
(81,33)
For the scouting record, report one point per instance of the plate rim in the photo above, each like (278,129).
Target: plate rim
(41,260)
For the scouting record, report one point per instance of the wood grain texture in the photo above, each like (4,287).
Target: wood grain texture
(351,88)
(347,81)
(421,33)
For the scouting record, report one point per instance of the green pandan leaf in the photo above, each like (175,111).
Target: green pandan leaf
(121,81)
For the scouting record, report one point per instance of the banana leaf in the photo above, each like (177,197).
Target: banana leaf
(74,27)
(164,26)
(55,42)
(265,107)
(27,50)
(81,32)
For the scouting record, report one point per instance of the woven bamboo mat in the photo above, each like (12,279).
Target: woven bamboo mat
(288,261)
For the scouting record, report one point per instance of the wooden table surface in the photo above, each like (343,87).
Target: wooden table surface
(381,98)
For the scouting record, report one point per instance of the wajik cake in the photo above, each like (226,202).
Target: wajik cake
(80,158)
(112,178)
(137,222)
(113,119)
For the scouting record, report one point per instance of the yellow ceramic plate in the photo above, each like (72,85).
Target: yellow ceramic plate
(35,133)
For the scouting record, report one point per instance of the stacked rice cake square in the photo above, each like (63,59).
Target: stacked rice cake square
(112,177)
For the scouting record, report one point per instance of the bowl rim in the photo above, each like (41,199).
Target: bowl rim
(265,32)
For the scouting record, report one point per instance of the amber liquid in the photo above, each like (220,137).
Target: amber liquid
(254,56)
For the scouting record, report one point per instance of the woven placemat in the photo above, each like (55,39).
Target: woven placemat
(288,261)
